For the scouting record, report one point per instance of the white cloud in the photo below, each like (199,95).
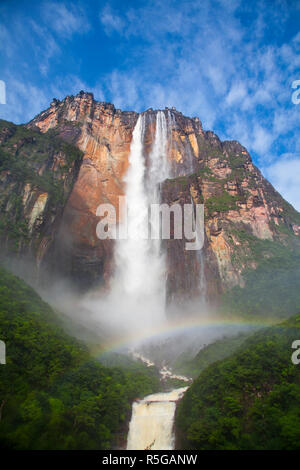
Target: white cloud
(285,177)
(23,100)
(197,56)
(111,21)
(212,68)
(237,94)
(262,140)
(65,18)
(296,38)
(46,48)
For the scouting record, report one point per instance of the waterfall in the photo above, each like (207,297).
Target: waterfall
(151,425)
(136,302)
(172,144)
(135,305)
(131,252)
(159,170)
(159,163)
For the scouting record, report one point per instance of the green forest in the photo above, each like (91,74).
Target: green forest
(249,400)
(221,348)
(53,394)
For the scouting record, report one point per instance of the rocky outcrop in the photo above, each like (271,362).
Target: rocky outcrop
(241,207)
(37,174)
(104,135)
(244,216)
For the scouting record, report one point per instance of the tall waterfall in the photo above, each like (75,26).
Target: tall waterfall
(159,163)
(140,266)
(131,253)
(135,304)
(159,170)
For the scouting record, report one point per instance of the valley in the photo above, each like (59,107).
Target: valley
(137,342)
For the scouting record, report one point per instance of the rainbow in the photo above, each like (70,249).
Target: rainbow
(175,327)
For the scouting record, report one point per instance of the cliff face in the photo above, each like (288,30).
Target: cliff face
(37,173)
(245,218)
(241,207)
(104,135)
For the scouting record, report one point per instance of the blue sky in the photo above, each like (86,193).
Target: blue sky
(229,62)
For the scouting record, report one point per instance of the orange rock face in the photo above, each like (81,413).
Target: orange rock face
(237,199)
(104,135)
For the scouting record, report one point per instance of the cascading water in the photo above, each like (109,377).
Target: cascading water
(135,305)
(159,163)
(202,278)
(140,271)
(158,171)
(151,425)
(140,266)
(132,252)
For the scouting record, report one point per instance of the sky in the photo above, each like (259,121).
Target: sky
(232,63)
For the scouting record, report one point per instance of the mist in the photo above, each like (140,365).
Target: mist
(132,314)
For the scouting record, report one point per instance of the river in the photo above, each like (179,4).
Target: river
(152,422)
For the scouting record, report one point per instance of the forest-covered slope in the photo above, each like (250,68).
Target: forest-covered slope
(53,395)
(224,347)
(249,400)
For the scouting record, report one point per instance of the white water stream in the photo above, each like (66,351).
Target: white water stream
(139,278)
(140,274)
(152,422)
(136,302)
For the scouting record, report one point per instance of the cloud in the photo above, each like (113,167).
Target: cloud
(232,75)
(229,62)
(24,101)
(237,94)
(262,140)
(111,21)
(6,41)
(46,47)
(65,19)
(285,176)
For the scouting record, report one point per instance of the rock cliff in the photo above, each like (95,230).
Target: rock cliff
(37,174)
(242,209)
